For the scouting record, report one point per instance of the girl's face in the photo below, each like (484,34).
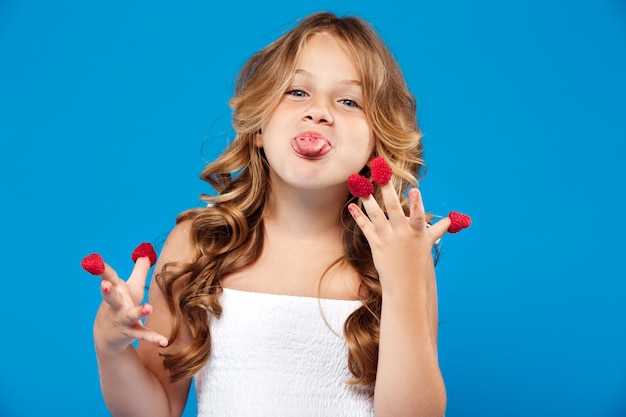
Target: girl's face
(318,134)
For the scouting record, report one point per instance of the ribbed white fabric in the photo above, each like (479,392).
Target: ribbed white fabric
(273,355)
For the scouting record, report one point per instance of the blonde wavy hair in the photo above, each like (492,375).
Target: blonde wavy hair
(228,234)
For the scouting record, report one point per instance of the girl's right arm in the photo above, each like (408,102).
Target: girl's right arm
(134,382)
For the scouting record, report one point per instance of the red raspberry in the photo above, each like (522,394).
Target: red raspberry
(360,186)
(458,221)
(93,264)
(381,171)
(144,249)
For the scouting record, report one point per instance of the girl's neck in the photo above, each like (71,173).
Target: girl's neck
(305,212)
(302,239)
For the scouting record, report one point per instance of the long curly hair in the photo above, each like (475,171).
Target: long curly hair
(227,235)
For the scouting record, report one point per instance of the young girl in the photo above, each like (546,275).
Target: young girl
(286,295)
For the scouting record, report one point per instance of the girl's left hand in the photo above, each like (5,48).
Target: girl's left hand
(401,246)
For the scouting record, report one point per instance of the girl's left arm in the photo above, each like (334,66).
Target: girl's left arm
(409,380)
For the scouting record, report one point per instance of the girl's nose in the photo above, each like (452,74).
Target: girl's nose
(318,112)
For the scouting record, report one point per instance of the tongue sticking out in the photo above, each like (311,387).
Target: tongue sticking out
(311,146)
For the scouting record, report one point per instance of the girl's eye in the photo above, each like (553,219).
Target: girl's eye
(350,103)
(297,93)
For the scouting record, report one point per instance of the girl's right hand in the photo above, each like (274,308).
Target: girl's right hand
(119,319)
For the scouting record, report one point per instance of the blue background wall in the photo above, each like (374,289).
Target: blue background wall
(108,110)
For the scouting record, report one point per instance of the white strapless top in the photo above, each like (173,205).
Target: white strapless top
(274,355)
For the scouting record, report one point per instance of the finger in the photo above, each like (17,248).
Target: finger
(154,337)
(111,295)
(437,230)
(139,332)
(95,265)
(147,335)
(110,275)
(417,214)
(361,220)
(139,274)
(393,206)
(375,214)
(109,287)
(135,314)
(115,291)
(133,320)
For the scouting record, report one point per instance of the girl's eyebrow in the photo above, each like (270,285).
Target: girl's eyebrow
(348,81)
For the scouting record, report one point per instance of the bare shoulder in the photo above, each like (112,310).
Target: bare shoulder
(178,246)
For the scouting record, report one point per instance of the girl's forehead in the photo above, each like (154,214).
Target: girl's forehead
(323,50)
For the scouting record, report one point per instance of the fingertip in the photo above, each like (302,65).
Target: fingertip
(458,221)
(416,206)
(106,286)
(146,309)
(145,249)
(415,198)
(93,263)
(360,186)
(381,171)
(353,209)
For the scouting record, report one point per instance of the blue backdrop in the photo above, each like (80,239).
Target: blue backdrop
(108,111)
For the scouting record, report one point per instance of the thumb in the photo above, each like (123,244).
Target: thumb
(437,230)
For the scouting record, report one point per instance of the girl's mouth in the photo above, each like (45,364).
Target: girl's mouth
(310,145)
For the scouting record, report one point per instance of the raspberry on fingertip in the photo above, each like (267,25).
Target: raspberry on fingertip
(458,221)
(360,186)
(381,171)
(144,249)
(93,263)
